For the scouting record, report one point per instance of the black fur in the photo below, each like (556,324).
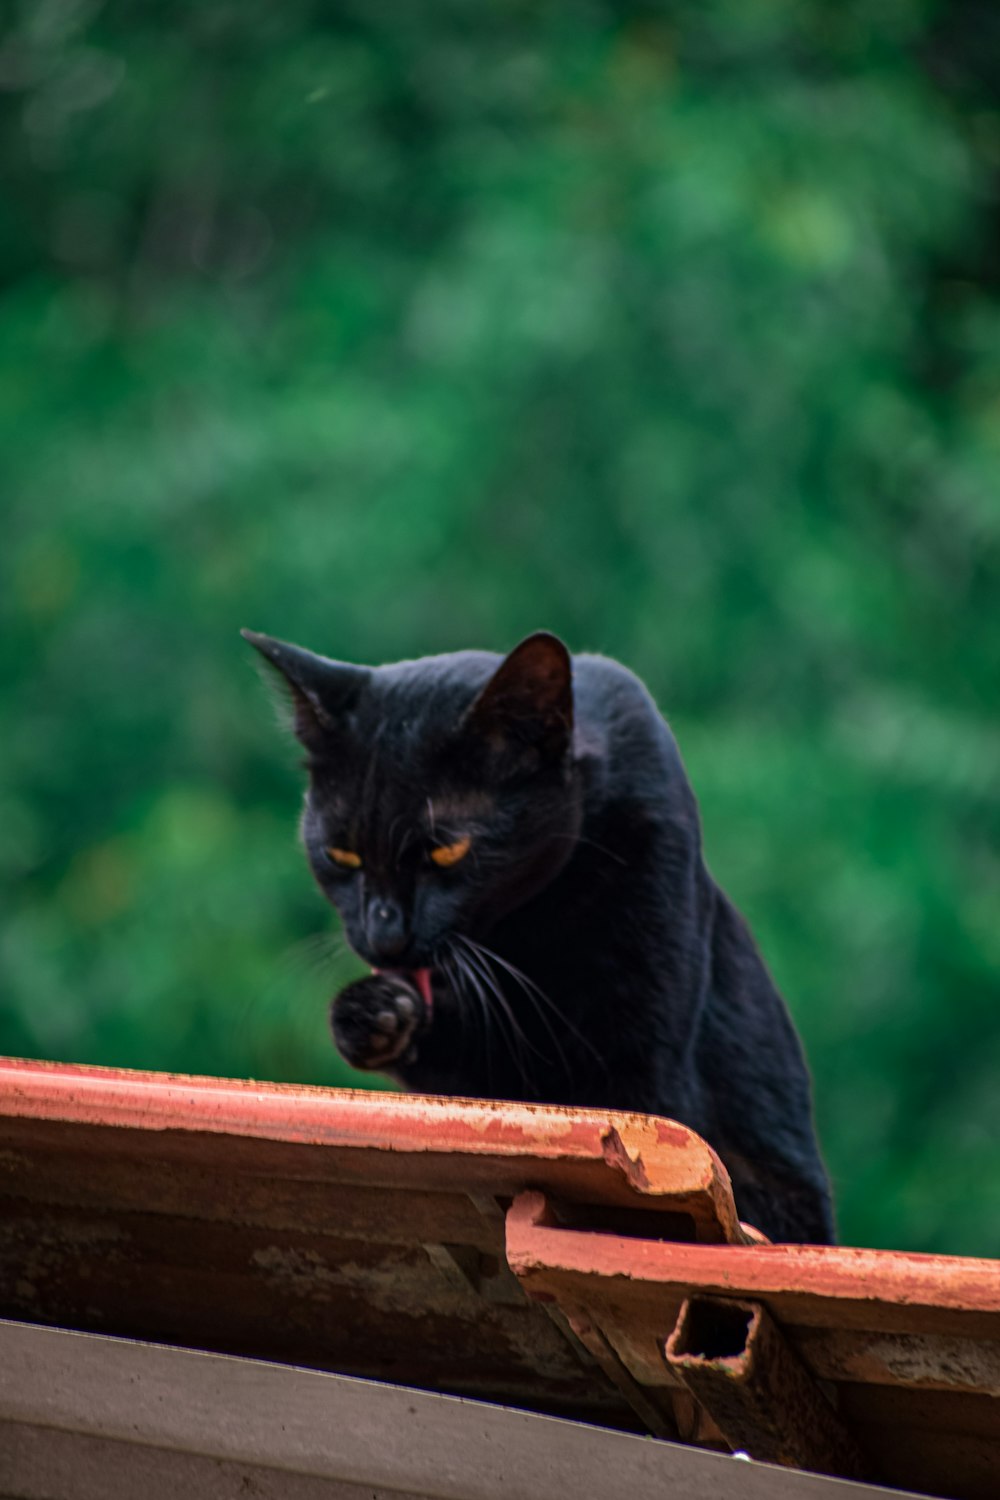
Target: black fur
(580,951)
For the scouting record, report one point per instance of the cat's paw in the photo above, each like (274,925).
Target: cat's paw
(374,1021)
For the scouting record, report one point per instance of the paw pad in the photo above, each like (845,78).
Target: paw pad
(375,1020)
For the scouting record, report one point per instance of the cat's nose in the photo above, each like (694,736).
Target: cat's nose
(387,934)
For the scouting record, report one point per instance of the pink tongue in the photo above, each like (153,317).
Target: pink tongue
(421,978)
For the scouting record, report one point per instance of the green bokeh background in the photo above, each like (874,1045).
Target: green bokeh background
(395,329)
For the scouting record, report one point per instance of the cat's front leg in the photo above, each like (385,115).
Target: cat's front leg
(376,1021)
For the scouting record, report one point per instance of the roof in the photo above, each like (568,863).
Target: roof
(584,1263)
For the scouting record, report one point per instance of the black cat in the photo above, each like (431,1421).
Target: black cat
(513,845)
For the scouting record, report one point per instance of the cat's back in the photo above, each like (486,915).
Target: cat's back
(619,722)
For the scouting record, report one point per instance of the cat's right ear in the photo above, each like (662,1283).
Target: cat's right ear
(525,711)
(321,691)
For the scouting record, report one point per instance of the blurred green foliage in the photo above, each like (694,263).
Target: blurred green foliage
(396,329)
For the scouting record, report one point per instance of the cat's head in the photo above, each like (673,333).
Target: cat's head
(442,792)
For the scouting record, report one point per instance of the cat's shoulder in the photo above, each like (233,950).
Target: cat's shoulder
(608,687)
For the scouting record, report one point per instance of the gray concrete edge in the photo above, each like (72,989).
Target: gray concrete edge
(82,1415)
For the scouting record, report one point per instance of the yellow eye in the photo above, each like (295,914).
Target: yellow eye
(450,854)
(345,857)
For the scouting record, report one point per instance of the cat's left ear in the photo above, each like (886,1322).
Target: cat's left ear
(322,691)
(528,702)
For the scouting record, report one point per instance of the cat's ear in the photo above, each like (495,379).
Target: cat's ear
(322,691)
(527,705)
